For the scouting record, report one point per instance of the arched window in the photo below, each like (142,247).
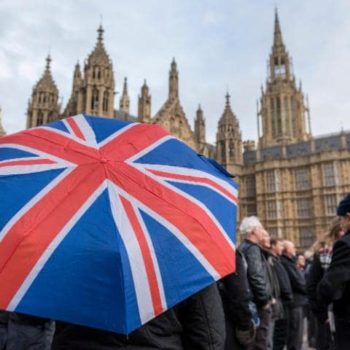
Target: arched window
(105,101)
(223,151)
(231,150)
(279,116)
(40,118)
(94,99)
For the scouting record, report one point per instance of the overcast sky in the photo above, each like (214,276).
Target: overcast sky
(218,45)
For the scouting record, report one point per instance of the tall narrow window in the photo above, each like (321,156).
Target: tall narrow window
(250,186)
(279,116)
(330,201)
(231,150)
(40,118)
(223,151)
(329,176)
(105,101)
(271,210)
(304,208)
(94,99)
(302,179)
(271,181)
(306,236)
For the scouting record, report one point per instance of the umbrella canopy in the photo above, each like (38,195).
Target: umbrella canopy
(107,223)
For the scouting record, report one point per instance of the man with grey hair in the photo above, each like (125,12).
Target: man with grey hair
(261,291)
(294,311)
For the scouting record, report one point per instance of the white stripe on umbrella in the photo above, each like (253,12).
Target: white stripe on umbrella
(138,270)
(52,247)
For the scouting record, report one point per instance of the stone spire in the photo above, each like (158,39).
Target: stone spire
(73,103)
(43,106)
(171,115)
(144,107)
(124,103)
(282,113)
(96,93)
(99,54)
(2,130)
(173,81)
(229,140)
(277,34)
(199,126)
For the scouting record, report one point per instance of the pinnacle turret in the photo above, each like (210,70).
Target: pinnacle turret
(124,103)
(199,126)
(173,81)
(277,35)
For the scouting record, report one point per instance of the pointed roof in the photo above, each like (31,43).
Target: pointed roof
(125,87)
(144,88)
(99,54)
(277,34)
(46,82)
(199,112)
(173,65)
(77,71)
(228,117)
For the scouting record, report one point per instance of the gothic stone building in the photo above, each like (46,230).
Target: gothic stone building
(290,179)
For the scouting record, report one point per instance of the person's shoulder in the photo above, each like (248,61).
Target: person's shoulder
(345,240)
(342,243)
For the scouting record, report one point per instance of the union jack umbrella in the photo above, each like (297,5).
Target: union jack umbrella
(107,223)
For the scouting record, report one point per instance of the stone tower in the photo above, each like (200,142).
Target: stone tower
(94,92)
(199,127)
(124,103)
(171,114)
(43,106)
(229,140)
(76,96)
(144,107)
(282,110)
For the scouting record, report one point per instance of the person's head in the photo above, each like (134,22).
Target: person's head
(252,229)
(334,232)
(301,261)
(276,246)
(288,248)
(343,211)
(265,242)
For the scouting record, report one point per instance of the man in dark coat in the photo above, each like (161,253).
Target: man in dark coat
(258,278)
(196,323)
(335,284)
(24,332)
(286,294)
(295,315)
(234,290)
(276,304)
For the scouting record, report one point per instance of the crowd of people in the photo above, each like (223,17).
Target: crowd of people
(264,304)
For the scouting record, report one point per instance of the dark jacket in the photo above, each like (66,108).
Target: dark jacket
(24,332)
(297,281)
(234,290)
(196,323)
(257,273)
(335,284)
(313,278)
(273,270)
(284,282)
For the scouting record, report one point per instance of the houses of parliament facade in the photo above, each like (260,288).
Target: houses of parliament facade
(289,178)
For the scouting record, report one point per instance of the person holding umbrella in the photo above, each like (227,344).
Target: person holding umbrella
(196,323)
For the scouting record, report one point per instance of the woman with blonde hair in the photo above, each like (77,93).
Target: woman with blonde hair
(322,249)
